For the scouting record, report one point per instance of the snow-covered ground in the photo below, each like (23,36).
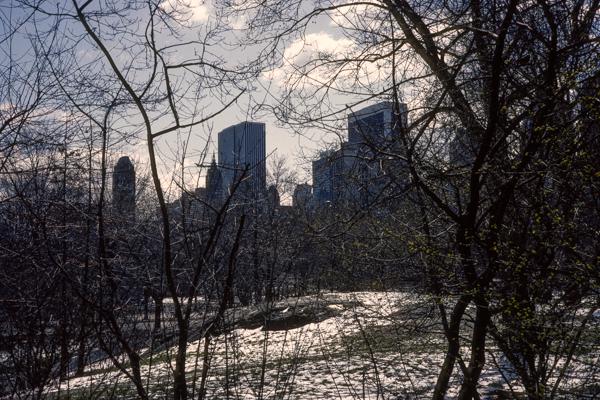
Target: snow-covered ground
(366,345)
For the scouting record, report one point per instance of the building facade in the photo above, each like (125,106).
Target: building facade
(322,175)
(374,126)
(358,172)
(243,146)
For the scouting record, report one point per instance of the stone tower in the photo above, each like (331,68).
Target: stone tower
(123,189)
(214,183)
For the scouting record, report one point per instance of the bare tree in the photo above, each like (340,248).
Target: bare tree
(497,80)
(481,195)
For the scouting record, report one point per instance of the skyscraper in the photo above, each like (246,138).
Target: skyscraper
(358,172)
(322,172)
(374,126)
(123,187)
(243,146)
(335,175)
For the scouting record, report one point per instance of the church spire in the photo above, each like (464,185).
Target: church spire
(214,181)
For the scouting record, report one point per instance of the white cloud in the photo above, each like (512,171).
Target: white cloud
(303,54)
(321,42)
(324,60)
(239,23)
(189,10)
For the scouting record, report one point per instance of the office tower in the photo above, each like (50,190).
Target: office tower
(361,168)
(214,191)
(374,126)
(241,147)
(374,134)
(335,176)
(347,167)
(123,187)
(322,171)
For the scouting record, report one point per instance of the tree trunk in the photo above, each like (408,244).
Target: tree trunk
(468,389)
(158,307)
(179,381)
(452,335)
(81,346)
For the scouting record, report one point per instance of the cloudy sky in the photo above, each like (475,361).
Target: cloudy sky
(322,39)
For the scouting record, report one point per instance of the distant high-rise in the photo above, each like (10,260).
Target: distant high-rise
(375,133)
(214,191)
(322,172)
(335,175)
(123,187)
(358,172)
(374,126)
(243,146)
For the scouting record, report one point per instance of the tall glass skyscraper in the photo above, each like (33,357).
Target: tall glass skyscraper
(373,126)
(244,146)
(360,169)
